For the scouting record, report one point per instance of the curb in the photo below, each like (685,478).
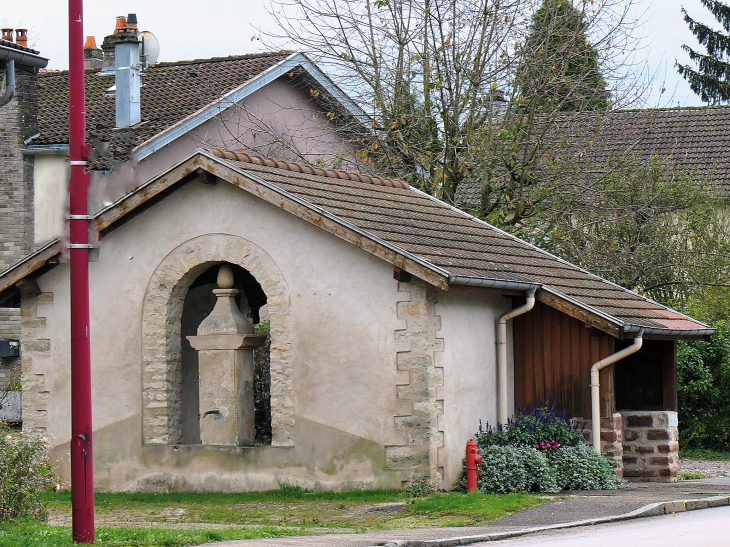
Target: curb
(651,510)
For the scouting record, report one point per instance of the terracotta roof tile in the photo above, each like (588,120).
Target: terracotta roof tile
(13,45)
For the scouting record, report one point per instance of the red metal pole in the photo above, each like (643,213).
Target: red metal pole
(82,467)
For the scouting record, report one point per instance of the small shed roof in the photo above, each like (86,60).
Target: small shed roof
(413,231)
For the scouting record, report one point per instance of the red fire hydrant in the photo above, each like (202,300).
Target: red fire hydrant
(472,465)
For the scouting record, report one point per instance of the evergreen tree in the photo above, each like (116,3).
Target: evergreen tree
(711,80)
(559,68)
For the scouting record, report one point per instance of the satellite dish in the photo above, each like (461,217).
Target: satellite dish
(150,50)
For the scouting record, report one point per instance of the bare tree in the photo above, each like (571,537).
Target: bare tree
(434,74)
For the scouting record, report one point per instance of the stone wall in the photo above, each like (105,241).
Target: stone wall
(36,350)
(611,437)
(650,446)
(18,121)
(420,409)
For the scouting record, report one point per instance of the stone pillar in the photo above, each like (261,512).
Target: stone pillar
(225,344)
(650,446)
(611,438)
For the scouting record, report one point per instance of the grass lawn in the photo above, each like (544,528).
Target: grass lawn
(704,454)
(171,520)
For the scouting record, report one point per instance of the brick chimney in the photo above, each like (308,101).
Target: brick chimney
(93,58)
(7,34)
(21,37)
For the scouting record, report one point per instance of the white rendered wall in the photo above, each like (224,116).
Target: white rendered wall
(343,302)
(50,187)
(468,327)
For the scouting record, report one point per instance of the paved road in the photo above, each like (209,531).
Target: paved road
(706,528)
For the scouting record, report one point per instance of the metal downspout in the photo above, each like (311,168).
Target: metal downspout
(9,83)
(502,353)
(595,386)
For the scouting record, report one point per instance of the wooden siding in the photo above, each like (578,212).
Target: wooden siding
(553,354)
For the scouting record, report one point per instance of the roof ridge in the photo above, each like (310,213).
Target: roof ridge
(184,62)
(308,169)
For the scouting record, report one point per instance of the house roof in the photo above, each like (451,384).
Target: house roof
(175,98)
(13,45)
(413,231)
(693,138)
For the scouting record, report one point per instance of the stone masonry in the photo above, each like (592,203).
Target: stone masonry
(36,355)
(161,343)
(650,446)
(611,437)
(416,392)
(18,121)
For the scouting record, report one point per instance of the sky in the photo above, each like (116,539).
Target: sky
(195,29)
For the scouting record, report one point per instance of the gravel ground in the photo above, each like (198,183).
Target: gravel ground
(705,467)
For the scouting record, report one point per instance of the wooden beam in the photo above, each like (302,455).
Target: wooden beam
(29,287)
(578,313)
(33,263)
(401,275)
(669,375)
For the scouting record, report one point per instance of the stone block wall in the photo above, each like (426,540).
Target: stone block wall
(18,121)
(611,437)
(650,446)
(416,392)
(36,350)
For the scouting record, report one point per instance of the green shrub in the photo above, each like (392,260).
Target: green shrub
(703,390)
(507,469)
(25,473)
(539,450)
(531,427)
(581,468)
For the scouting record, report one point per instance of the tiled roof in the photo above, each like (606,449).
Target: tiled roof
(695,138)
(462,245)
(308,169)
(170,92)
(13,45)
(408,223)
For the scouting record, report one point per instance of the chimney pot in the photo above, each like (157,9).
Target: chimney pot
(132,20)
(21,37)
(121,24)
(90,42)
(7,34)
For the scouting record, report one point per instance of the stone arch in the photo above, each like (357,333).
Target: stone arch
(161,346)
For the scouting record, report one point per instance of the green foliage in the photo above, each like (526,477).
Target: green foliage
(711,80)
(581,468)
(15,383)
(540,450)
(262,386)
(532,427)
(558,66)
(421,487)
(506,469)
(638,223)
(25,474)
(703,390)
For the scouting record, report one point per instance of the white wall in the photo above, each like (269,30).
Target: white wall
(468,327)
(343,302)
(50,198)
